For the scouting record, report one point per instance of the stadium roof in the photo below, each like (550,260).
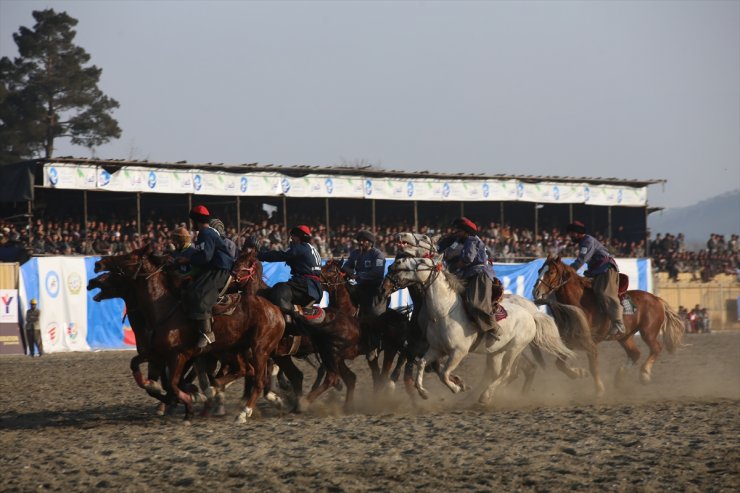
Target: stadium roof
(368,171)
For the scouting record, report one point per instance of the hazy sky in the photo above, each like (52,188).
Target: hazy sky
(635,90)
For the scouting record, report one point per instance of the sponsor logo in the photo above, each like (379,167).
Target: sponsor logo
(556,192)
(410,188)
(52,283)
(586,193)
(197,182)
(72,332)
(103,178)
(6,299)
(243,183)
(368,187)
(52,330)
(486,189)
(74,283)
(285,185)
(152,181)
(446,190)
(53,176)
(329,185)
(519,190)
(620,196)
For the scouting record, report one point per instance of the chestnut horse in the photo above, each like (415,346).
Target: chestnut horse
(251,332)
(650,316)
(390,324)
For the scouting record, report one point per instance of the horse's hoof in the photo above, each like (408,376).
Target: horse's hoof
(160,410)
(187,422)
(210,393)
(645,378)
(220,411)
(424,394)
(301,405)
(242,416)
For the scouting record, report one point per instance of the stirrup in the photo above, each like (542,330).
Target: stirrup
(205,339)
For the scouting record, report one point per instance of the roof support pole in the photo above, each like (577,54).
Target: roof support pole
(462,208)
(372,218)
(326,210)
(609,223)
(536,221)
(570,213)
(84,208)
(138,213)
(238,215)
(501,225)
(416,217)
(190,203)
(285,212)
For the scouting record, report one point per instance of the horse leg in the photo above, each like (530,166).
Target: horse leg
(254,382)
(527,367)
(445,370)
(431,356)
(349,379)
(270,396)
(651,339)
(176,366)
(593,364)
(571,372)
(330,380)
(493,369)
(389,354)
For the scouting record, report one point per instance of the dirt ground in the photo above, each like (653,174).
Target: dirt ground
(77,422)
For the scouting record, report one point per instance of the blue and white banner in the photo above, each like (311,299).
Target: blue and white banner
(72,321)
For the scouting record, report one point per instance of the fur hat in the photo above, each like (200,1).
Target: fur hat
(466,225)
(576,227)
(218,225)
(365,235)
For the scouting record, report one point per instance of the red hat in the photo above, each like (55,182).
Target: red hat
(301,230)
(466,225)
(199,213)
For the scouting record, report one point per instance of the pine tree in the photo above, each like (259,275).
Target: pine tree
(47,92)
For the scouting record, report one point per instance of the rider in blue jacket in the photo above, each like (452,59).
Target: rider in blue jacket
(304,286)
(465,255)
(603,270)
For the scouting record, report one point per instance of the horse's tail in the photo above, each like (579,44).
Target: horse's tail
(572,323)
(672,328)
(548,338)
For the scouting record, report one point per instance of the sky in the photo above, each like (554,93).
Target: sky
(626,89)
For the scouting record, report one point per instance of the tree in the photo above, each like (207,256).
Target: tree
(47,92)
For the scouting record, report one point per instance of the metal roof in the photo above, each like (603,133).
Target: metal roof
(369,171)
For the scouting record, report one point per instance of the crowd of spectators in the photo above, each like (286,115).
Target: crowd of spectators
(505,243)
(696,320)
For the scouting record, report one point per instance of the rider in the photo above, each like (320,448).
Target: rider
(366,265)
(211,255)
(603,270)
(304,286)
(218,225)
(183,248)
(465,255)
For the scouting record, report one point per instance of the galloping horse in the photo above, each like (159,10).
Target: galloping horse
(251,332)
(451,334)
(650,316)
(391,324)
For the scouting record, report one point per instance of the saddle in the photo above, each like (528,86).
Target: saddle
(226,305)
(311,314)
(499,312)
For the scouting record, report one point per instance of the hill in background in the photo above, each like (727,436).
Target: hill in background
(719,215)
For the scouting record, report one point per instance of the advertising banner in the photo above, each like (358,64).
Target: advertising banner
(126,179)
(69,176)
(169,181)
(551,193)
(10,340)
(615,195)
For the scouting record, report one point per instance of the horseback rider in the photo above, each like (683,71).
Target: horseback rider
(218,225)
(366,265)
(304,286)
(216,263)
(465,255)
(603,270)
(183,242)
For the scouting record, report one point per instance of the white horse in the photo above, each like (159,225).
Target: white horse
(450,332)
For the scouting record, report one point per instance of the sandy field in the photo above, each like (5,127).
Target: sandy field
(77,422)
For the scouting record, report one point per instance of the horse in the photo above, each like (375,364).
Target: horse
(248,335)
(650,316)
(450,332)
(390,324)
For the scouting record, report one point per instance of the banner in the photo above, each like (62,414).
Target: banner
(10,340)
(551,193)
(615,195)
(169,181)
(76,177)
(478,190)
(62,302)
(126,179)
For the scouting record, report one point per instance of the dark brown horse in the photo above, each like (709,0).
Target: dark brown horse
(650,316)
(391,325)
(248,334)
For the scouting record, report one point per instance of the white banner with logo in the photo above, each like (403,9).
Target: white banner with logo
(551,193)
(259,184)
(8,306)
(615,195)
(169,181)
(63,303)
(125,179)
(321,186)
(479,190)
(70,176)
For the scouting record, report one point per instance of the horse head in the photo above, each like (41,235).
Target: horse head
(552,276)
(247,269)
(332,275)
(407,271)
(414,245)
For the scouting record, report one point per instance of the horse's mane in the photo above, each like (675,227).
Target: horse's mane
(585,281)
(454,282)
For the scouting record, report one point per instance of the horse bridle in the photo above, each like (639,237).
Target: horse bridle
(563,282)
(435,269)
(250,274)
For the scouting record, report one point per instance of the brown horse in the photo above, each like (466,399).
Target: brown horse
(390,324)
(248,335)
(650,316)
